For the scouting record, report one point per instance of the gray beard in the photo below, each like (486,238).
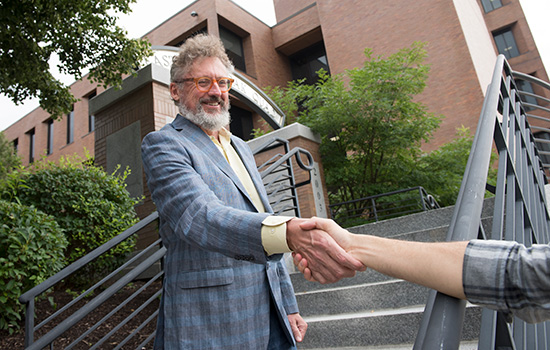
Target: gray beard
(211,122)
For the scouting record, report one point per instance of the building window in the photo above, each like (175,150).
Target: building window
(91,117)
(16,145)
(49,149)
(506,44)
(490,5)
(526,86)
(70,127)
(31,145)
(233,47)
(306,63)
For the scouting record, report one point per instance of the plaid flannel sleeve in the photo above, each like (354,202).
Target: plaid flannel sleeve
(508,277)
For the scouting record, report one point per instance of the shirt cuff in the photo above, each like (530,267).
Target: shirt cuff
(274,234)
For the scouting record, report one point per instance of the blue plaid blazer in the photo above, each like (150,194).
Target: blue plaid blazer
(218,280)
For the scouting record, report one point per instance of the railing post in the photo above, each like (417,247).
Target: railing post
(29,322)
(421,193)
(441,310)
(373,203)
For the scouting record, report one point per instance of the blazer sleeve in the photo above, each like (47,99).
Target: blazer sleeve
(287,290)
(180,178)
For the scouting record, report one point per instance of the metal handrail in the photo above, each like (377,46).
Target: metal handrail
(28,298)
(520,214)
(345,211)
(277,174)
(537,113)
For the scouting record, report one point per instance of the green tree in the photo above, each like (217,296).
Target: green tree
(441,171)
(370,125)
(83,34)
(9,159)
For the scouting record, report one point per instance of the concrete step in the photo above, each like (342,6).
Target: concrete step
(381,328)
(391,294)
(465,345)
(419,222)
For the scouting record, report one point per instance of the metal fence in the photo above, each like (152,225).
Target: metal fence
(84,305)
(278,176)
(537,111)
(382,206)
(137,325)
(520,214)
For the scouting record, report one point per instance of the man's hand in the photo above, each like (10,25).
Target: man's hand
(298,326)
(327,261)
(340,235)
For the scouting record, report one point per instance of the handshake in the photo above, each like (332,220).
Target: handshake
(322,250)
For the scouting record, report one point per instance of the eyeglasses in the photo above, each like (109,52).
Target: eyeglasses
(204,84)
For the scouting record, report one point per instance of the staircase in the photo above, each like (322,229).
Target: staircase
(373,311)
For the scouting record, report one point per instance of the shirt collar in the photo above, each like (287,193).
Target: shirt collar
(225,136)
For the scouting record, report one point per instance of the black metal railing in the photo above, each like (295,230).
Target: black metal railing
(278,176)
(537,111)
(382,206)
(520,214)
(83,305)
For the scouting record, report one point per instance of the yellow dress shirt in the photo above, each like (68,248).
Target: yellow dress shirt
(273,227)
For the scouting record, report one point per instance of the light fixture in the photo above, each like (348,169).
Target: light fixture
(194,14)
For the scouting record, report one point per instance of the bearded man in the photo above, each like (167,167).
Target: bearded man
(225,284)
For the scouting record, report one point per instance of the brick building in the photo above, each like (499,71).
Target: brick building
(463,38)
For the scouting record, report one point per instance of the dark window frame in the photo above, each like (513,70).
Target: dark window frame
(491,5)
(70,127)
(91,117)
(505,42)
(238,58)
(49,146)
(31,134)
(302,63)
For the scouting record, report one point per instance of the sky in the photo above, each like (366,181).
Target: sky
(148,14)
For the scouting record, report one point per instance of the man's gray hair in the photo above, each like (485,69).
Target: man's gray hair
(196,47)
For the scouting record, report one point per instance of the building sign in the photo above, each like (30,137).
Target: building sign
(162,56)
(242,88)
(318,192)
(256,99)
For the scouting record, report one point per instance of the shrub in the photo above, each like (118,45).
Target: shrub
(90,205)
(31,250)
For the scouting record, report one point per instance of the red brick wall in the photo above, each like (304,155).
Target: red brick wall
(387,26)
(288,8)
(37,120)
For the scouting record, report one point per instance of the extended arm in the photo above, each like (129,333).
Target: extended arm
(501,275)
(434,265)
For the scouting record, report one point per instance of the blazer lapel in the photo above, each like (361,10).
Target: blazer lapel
(203,142)
(251,167)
